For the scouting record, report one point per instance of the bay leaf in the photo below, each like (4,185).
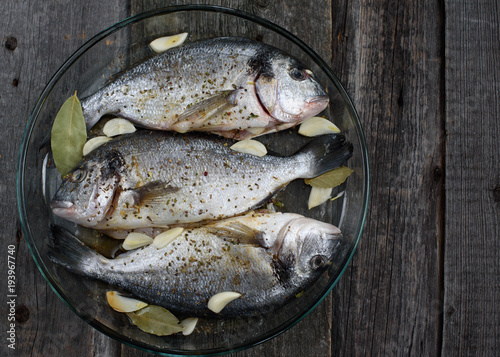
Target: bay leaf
(68,135)
(331,178)
(156,320)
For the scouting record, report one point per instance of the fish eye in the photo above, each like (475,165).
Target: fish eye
(78,175)
(318,262)
(298,74)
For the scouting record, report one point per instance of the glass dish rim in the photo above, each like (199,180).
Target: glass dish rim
(94,40)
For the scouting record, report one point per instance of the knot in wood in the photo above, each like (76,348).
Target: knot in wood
(496,193)
(11,43)
(22,314)
(437,173)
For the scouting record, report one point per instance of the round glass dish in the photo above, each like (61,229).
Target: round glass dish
(108,53)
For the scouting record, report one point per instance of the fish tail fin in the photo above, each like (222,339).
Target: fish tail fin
(69,252)
(325,153)
(91,108)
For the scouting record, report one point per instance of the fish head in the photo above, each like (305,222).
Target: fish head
(289,91)
(87,192)
(308,246)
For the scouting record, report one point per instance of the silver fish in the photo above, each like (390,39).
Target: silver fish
(159,179)
(232,86)
(266,257)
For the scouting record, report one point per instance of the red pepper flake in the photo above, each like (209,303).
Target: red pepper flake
(205,173)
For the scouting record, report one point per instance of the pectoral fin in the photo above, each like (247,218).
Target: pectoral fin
(198,115)
(238,233)
(153,192)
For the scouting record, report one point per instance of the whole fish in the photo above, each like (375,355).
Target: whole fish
(266,257)
(158,179)
(231,86)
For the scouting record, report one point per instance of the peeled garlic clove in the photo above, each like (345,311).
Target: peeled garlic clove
(121,303)
(317,126)
(220,300)
(249,146)
(165,238)
(136,240)
(188,325)
(116,127)
(164,43)
(256,131)
(319,195)
(94,143)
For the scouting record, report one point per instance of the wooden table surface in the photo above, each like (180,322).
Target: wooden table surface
(425,78)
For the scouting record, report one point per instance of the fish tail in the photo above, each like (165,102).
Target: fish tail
(91,109)
(69,252)
(325,153)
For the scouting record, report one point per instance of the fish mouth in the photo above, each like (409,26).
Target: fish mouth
(321,100)
(313,106)
(317,104)
(64,209)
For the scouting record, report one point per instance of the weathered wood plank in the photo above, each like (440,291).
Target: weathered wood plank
(388,55)
(46,34)
(472,241)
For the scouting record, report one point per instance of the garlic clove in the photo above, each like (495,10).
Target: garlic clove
(94,143)
(164,43)
(188,325)
(249,146)
(121,303)
(220,300)
(118,126)
(318,196)
(165,238)
(136,240)
(256,130)
(317,126)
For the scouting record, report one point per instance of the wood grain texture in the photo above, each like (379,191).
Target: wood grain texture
(472,242)
(425,78)
(46,33)
(388,54)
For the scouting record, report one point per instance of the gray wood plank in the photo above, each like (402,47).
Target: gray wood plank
(46,34)
(472,241)
(388,55)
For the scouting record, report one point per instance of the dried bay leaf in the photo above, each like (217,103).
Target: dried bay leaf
(156,320)
(68,135)
(331,178)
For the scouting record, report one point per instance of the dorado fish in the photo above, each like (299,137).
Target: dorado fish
(266,257)
(234,87)
(158,179)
